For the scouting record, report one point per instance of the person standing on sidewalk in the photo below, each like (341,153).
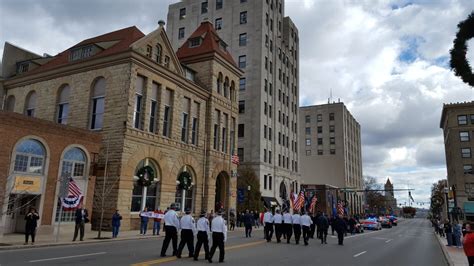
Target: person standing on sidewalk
(268,225)
(143,221)
(278,222)
(457,233)
(31,219)
(468,245)
(202,227)
(248,221)
(219,236)
(187,226)
(82,217)
(116,218)
(171,230)
(448,230)
(157,222)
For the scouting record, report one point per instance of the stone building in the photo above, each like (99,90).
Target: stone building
(330,151)
(457,122)
(390,200)
(265,43)
(165,119)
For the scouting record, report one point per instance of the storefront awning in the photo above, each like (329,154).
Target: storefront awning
(469,207)
(270,202)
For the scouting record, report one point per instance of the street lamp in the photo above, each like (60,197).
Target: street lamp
(446,191)
(248,196)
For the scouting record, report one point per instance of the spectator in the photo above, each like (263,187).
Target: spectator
(82,217)
(31,219)
(469,245)
(157,222)
(457,233)
(448,230)
(143,221)
(116,218)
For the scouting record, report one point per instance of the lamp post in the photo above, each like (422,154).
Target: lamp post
(248,196)
(446,191)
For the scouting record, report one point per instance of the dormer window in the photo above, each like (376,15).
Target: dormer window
(222,45)
(81,53)
(23,67)
(195,42)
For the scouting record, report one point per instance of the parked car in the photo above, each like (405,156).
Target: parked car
(385,222)
(393,219)
(371,224)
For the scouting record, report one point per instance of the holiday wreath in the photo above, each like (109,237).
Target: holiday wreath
(459,63)
(146,175)
(184,181)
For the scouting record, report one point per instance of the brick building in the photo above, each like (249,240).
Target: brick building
(33,154)
(157,110)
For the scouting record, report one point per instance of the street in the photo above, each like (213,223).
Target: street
(410,243)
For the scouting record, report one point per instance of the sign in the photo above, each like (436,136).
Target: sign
(27,184)
(152,215)
(240,195)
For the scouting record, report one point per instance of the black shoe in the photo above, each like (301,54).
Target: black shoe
(221,261)
(163,255)
(178,256)
(195,259)
(210,260)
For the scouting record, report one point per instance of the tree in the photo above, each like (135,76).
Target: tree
(437,197)
(247,178)
(373,195)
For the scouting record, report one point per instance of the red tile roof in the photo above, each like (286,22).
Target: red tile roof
(125,36)
(210,44)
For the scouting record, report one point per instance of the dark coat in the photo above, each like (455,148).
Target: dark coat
(323,222)
(116,219)
(79,216)
(31,220)
(340,225)
(248,219)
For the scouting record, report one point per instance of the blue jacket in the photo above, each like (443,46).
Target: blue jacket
(116,219)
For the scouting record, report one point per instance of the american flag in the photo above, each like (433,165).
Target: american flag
(299,201)
(313,203)
(340,208)
(73,189)
(235,159)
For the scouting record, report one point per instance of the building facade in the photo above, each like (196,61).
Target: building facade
(330,151)
(390,200)
(457,122)
(165,120)
(265,44)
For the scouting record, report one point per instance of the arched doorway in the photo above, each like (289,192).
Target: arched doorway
(221,194)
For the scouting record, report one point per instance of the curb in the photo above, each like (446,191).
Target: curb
(447,257)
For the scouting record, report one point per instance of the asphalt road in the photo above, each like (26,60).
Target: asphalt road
(410,243)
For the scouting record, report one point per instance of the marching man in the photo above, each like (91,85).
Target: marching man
(306,223)
(268,225)
(171,229)
(296,218)
(202,227)
(278,221)
(287,224)
(187,234)
(219,236)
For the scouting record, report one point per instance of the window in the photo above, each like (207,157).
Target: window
(167,113)
(240,153)
(308,131)
(195,42)
(185,120)
(332,151)
(270,112)
(29,157)
(137,113)
(218,23)
(189,196)
(264,181)
(181,33)
(98,104)
(149,51)
(308,142)
(241,131)
(320,152)
(472,119)
(63,105)
(466,152)
(468,169)
(242,83)
(204,6)
(331,116)
(462,119)
(243,39)
(320,130)
(153,107)
(320,141)
(243,17)
(265,108)
(270,133)
(307,119)
(270,157)
(264,131)
(265,155)
(270,181)
(217,123)
(320,118)
(308,152)
(266,62)
(242,61)
(195,123)
(332,140)
(224,133)
(10,103)
(241,107)
(331,129)
(145,196)
(219,4)
(182,13)
(158,53)
(464,136)
(30,104)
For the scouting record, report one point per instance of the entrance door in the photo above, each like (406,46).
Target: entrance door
(221,200)
(24,202)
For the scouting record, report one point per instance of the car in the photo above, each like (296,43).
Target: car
(371,224)
(393,219)
(385,222)
(358,228)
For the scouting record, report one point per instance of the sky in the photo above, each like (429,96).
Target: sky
(387,60)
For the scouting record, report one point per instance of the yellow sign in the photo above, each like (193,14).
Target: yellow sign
(27,184)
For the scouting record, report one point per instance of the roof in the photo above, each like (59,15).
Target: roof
(124,37)
(210,44)
(388,182)
(447,106)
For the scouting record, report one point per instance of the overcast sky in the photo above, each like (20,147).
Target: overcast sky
(388,61)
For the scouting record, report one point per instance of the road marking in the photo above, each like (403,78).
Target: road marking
(358,254)
(69,257)
(388,240)
(173,258)
(380,238)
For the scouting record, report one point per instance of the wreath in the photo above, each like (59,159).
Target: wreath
(184,181)
(146,176)
(459,63)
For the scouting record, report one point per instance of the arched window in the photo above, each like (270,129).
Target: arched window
(98,104)
(232,91)
(74,164)
(219,83)
(159,52)
(63,105)
(30,105)
(10,103)
(189,194)
(283,193)
(29,157)
(144,196)
(226,87)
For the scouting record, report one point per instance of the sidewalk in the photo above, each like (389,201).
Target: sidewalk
(455,256)
(16,241)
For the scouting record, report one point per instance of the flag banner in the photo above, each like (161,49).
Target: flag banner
(314,200)
(235,159)
(340,208)
(152,215)
(74,197)
(299,201)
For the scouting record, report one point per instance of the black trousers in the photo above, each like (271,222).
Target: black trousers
(248,230)
(268,231)
(30,231)
(288,232)
(340,237)
(297,231)
(278,231)
(312,230)
(470,260)
(324,235)
(187,238)
(79,229)
(202,240)
(217,241)
(171,235)
(306,233)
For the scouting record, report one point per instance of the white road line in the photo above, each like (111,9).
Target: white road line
(358,254)
(380,238)
(69,257)
(388,240)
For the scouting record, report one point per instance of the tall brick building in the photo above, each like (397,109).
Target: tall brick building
(164,117)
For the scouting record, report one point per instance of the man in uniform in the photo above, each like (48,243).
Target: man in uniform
(323,223)
(187,234)
(171,229)
(268,225)
(248,221)
(296,218)
(202,227)
(219,236)
(341,227)
(306,223)
(277,221)
(287,224)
